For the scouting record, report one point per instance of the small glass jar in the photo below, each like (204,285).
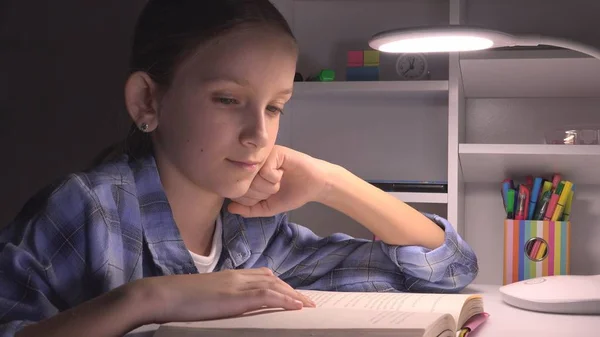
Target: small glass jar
(574,135)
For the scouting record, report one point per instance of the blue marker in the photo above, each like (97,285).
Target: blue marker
(505,186)
(535,191)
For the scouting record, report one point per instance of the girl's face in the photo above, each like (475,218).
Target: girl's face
(218,121)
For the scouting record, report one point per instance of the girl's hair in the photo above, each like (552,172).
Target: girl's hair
(168,31)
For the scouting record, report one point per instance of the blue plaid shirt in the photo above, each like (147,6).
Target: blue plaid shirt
(94,231)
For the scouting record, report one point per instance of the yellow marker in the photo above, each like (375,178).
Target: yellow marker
(567,212)
(541,252)
(562,200)
(547,186)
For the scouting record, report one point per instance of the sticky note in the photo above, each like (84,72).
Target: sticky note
(355,58)
(371,58)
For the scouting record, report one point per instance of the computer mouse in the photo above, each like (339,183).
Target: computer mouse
(562,294)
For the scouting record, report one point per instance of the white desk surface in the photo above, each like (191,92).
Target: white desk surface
(504,320)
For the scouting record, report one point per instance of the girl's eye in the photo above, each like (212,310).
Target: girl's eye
(274,109)
(226,100)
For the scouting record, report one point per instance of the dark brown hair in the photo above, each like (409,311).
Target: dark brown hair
(168,31)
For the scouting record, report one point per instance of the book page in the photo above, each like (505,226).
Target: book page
(386,323)
(413,302)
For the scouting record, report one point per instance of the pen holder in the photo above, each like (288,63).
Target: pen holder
(536,248)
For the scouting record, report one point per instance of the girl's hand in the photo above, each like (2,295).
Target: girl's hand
(288,180)
(182,298)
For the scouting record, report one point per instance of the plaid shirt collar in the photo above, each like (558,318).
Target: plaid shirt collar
(161,235)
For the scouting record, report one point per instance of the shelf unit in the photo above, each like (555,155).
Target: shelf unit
(396,89)
(490,99)
(436,90)
(424,198)
(515,96)
(522,73)
(491,163)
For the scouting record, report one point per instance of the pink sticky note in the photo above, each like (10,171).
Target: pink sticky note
(355,58)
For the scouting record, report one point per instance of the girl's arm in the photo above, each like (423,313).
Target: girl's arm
(390,219)
(417,251)
(53,281)
(113,314)
(174,298)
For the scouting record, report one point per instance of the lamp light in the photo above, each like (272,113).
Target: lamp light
(455,38)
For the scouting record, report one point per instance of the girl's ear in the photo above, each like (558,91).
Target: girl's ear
(141,100)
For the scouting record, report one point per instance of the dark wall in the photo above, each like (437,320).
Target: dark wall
(62,69)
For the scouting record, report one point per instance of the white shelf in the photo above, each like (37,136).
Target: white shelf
(399,89)
(495,162)
(426,198)
(530,73)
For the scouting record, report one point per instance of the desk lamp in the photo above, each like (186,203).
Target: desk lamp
(464,39)
(575,294)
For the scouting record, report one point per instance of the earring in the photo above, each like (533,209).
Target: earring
(144,127)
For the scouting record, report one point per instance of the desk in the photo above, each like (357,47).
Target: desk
(504,320)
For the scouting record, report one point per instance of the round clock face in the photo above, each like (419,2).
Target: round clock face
(411,66)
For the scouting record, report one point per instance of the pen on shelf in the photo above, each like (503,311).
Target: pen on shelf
(553,201)
(510,205)
(562,200)
(535,193)
(567,212)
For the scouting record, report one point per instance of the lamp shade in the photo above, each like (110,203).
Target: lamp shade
(459,38)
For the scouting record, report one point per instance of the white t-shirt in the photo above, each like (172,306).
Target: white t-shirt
(206,264)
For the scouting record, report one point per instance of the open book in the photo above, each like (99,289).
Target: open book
(346,314)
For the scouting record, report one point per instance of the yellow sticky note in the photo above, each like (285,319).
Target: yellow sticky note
(371,58)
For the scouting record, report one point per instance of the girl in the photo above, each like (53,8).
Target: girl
(187,220)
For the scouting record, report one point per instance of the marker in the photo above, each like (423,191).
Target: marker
(541,251)
(546,186)
(529,182)
(555,180)
(543,205)
(562,200)
(553,201)
(527,192)
(522,203)
(535,249)
(505,186)
(510,206)
(567,212)
(520,213)
(535,195)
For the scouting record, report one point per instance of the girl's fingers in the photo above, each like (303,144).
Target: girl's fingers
(256,195)
(262,185)
(260,298)
(246,201)
(266,280)
(271,175)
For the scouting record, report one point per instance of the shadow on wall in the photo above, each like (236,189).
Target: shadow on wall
(61,95)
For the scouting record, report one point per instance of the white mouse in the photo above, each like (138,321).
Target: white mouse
(563,294)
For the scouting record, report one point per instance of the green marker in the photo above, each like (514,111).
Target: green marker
(543,205)
(510,203)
